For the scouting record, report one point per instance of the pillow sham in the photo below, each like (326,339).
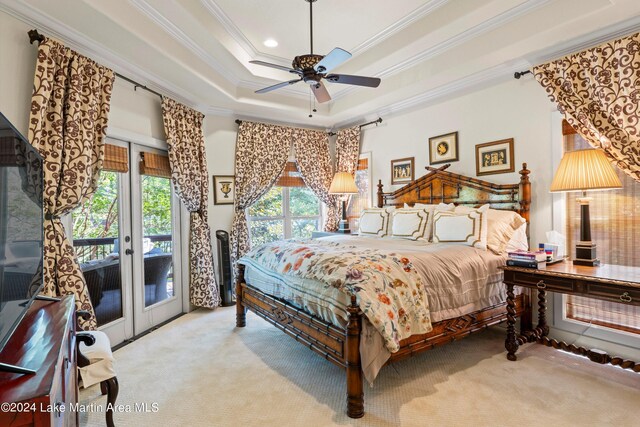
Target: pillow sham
(501,226)
(374,222)
(412,224)
(468,227)
(519,240)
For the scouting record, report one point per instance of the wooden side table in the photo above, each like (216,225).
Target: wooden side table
(607,282)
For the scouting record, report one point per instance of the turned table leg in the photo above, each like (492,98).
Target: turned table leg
(542,329)
(511,343)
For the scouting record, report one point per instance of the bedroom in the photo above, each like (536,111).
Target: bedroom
(445,66)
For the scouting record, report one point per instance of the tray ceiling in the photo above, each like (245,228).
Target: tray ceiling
(198,51)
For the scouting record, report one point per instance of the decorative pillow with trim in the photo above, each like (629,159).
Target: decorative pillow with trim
(411,224)
(467,228)
(501,227)
(374,222)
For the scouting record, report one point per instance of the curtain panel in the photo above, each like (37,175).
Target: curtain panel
(314,163)
(190,178)
(348,150)
(262,151)
(67,124)
(598,92)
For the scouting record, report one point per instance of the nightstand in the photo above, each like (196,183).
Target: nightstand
(316,234)
(607,282)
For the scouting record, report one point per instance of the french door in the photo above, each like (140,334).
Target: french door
(127,239)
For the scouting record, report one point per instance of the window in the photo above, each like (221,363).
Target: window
(362,200)
(288,210)
(615,227)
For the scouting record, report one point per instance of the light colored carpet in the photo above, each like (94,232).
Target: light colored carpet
(202,371)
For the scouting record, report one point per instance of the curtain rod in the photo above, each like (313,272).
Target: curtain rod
(376,121)
(519,74)
(34,36)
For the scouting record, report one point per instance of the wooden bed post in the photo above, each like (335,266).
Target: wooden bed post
(525,193)
(241,311)
(355,392)
(380,198)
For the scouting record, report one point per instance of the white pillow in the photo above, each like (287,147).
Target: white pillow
(412,224)
(374,222)
(519,240)
(501,225)
(463,227)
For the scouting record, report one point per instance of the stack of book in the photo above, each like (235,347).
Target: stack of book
(527,259)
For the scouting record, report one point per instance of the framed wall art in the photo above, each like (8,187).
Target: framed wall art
(443,148)
(495,157)
(224,191)
(402,171)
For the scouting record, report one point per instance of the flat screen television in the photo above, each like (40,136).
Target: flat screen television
(21,228)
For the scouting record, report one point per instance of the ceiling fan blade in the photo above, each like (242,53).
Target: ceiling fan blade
(353,80)
(276,66)
(278,86)
(321,93)
(334,58)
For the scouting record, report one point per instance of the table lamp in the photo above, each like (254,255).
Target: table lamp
(583,170)
(343,184)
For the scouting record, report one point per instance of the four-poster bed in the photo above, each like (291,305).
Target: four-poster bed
(341,344)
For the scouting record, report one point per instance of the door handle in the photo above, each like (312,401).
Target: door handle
(128,251)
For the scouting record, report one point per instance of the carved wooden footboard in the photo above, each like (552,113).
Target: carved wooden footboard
(341,346)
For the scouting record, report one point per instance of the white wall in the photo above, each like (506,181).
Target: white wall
(517,109)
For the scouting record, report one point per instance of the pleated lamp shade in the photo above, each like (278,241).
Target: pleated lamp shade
(343,183)
(583,170)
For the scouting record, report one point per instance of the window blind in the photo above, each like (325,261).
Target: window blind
(615,228)
(116,158)
(290,176)
(155,165)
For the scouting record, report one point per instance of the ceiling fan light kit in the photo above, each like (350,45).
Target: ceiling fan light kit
(312,69)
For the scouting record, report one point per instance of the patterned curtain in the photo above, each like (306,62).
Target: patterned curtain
(348,150)
(67,124)
(190,177)
(262,151)
(598,91)
(314,162)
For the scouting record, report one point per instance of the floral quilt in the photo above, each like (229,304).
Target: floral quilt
(389,290)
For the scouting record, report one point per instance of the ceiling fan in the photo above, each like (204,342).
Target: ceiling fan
(312,69)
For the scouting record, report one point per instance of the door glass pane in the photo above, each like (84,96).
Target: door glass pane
(302,202)
(265,231)
(157,242)
(95,239)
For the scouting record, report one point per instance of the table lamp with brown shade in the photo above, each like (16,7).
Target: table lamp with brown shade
(583,170)
(343,184)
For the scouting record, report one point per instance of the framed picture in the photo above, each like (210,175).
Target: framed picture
(443,148)
(224,191)
(402,171)
(495,157)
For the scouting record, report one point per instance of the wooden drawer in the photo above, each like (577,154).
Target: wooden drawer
(614,293)
(539,281)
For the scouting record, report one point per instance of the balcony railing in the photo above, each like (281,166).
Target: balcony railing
(98,248)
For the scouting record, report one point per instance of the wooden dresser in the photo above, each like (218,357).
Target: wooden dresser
(44,341)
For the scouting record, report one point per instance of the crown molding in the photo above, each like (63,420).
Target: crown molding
(419,13)
(237,34)
(90,48)
(177,34)
(239,37)
(470,83)
(458,39)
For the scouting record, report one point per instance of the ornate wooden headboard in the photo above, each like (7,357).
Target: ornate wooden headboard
(440,186)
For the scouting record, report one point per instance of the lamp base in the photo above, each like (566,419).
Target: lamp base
(343,227)
(586,254)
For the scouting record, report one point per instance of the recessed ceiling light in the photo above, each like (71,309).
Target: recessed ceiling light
(270,43)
